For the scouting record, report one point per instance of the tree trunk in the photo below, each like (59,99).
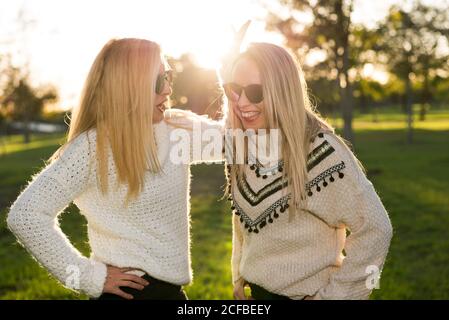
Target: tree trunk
(346,101)
(422,111)
(346,106)
(375,114)
(408,99)
(426,95)
(26,131)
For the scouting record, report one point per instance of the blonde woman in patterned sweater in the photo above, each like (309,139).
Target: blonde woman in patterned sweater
(291,218)
(116,168)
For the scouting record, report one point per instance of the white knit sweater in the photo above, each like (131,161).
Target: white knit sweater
(303,257)
(151,234)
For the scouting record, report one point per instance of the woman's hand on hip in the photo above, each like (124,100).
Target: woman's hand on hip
(116,278)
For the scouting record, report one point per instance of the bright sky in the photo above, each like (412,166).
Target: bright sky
(65,36)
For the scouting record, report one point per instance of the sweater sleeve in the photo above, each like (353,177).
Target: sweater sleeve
(198,136)
(237,242)
(358,208)
(33,218)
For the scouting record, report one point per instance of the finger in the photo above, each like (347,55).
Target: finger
(137,279)
(238,38)
(241,34)
(130,284)
(237,41)
(111,268)
(239,294)
(244,26)
(127,269)
(122,294)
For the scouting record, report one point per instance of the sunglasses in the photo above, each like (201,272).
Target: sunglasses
(253,92)
(160,81)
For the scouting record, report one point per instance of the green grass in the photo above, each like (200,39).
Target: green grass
(412,181)
(435,120)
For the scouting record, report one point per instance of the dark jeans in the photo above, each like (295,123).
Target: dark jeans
(156,290)
(259,293)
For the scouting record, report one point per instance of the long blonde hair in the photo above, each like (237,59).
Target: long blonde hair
(117,101)
(288,108)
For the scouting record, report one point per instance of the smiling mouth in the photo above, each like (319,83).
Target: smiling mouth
(250,115)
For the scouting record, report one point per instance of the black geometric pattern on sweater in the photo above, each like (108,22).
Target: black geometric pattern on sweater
(254,198)
(319,154)
(323,176)
(264,218)
(264,172)
(313,159)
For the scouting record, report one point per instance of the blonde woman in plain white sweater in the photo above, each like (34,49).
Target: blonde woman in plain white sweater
(291,216)
(115,167)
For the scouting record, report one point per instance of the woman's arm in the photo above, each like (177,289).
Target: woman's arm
(201,137)
(33,219)
(366,247)
(237,241)
(355,205)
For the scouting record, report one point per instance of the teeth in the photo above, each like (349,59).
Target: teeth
(250,114)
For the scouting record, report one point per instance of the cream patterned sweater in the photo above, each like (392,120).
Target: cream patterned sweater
(304,257)
(151,234)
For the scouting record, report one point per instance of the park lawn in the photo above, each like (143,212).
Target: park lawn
(412,181)
(392,119)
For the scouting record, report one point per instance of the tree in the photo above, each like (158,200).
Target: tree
(195,88)
(431,27)
(21,101)
(368,91)
(408,47)
(329,32)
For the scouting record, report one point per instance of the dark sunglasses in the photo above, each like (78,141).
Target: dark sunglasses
(253,92)
(160,81)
